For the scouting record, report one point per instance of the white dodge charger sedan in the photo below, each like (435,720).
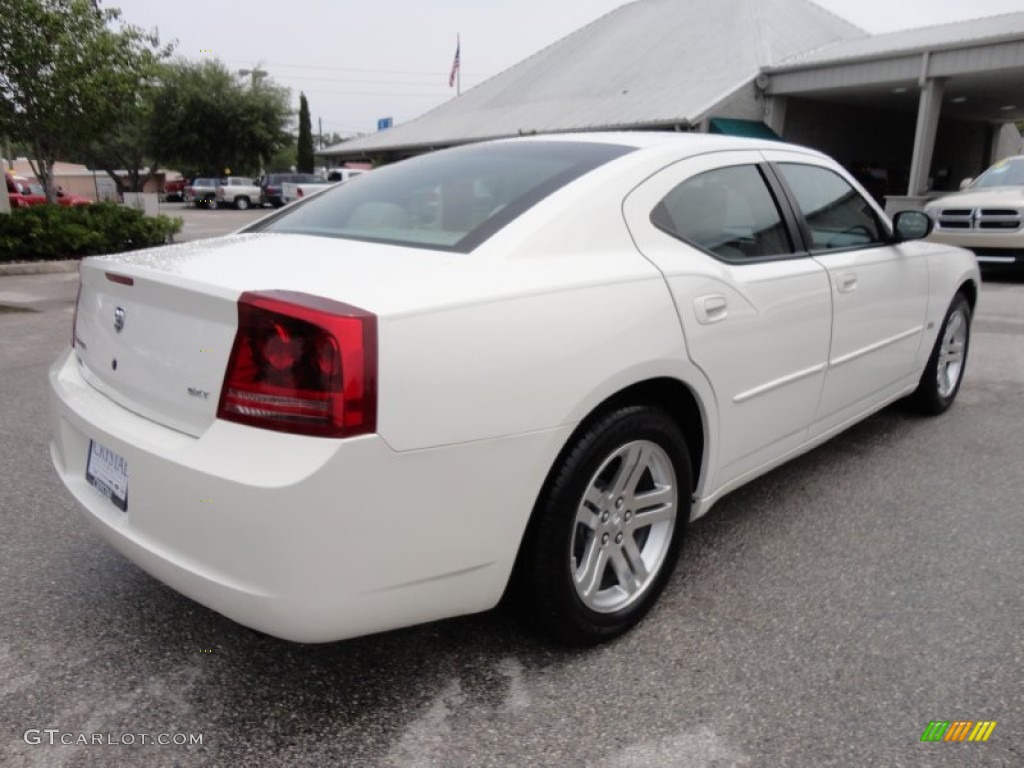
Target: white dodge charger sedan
(519,364)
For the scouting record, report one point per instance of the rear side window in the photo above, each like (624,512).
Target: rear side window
(728,211)
(837,215)
(449,200)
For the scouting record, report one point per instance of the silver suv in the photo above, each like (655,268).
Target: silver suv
(202,192)
(986,216)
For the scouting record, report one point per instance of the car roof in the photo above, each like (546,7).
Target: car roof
(691,143)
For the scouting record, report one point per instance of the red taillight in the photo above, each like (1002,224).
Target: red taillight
(299,192)
(302,364)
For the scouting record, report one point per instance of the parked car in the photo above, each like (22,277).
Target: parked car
(35,194)
(527,362)
(987,215)
(238,191)
(174,190)
(15,195)
(270,186)
(292,191)
(344,174)
(202,192)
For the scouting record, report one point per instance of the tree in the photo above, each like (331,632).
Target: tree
(127,146)
(285,159)
(305,152)
(68,76)
(206,121)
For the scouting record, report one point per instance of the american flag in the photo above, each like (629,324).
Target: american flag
(455,65)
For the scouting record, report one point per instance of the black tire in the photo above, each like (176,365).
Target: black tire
(241,203)
(935,392)
(568,530)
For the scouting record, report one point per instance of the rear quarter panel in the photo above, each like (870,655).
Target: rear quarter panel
(558,312)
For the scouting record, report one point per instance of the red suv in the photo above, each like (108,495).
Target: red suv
(14,193)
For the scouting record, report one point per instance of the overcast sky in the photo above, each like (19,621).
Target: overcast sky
(360,60)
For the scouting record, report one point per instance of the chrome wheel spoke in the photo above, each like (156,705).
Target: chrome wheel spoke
(595,498)
(634,558)
(588,518)
(632,464)
(664,513)
(592,565)
(628,581)
(651,499)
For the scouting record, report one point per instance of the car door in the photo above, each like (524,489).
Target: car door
(879,289)
(755,311)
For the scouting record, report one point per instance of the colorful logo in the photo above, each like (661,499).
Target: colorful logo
(958,730)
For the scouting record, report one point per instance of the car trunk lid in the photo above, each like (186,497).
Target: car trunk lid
(154,329)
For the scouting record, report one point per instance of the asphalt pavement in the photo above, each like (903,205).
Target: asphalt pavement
(821,616)
(200,223)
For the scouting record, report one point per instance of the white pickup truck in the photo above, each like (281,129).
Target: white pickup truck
(239,191)
(292,192)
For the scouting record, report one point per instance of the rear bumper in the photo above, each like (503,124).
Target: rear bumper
(307,539)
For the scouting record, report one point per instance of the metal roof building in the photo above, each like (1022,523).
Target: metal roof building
(729,65)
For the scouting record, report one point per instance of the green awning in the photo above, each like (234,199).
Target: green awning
(752,129)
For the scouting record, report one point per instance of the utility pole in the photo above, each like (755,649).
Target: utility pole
(320,132)
(255,73)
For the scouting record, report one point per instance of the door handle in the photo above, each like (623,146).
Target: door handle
(846,282)
(711,309)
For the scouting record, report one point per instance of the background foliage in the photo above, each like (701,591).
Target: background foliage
(208,121)
(46,232)
(69,74)
(305,148)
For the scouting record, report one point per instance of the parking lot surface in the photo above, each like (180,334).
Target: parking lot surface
(821,616)
(200,223)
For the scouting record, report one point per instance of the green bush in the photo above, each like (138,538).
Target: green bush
(46,232)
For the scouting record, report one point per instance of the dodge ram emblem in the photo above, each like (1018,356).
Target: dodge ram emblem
(119,319)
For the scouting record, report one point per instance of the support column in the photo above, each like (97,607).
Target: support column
(928,111)
(775,113)
(995,142)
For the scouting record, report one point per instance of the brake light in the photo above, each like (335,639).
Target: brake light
(298,192)
(302,364)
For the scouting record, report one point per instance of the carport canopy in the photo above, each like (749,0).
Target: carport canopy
(970,71)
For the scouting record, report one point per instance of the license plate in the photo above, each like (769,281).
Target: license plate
(107,472)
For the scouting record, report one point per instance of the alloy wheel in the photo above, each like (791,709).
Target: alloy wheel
(623,526)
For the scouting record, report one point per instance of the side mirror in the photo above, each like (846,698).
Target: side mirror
(911,225)
(966,183)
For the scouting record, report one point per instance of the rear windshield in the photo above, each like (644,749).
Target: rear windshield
(449,200)
(1005,173)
